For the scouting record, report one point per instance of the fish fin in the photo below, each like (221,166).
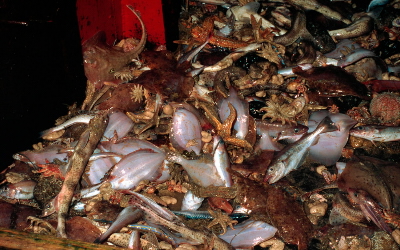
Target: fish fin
(371,214)
(329,125)
(315,141)
(45,132)
(335,218)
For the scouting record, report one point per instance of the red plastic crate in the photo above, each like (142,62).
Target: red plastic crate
(119,22)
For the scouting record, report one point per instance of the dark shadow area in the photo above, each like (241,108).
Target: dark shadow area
(41,70)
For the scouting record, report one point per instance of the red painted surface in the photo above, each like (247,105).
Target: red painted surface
(119,22)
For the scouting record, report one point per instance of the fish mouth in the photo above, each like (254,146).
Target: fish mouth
(270,178)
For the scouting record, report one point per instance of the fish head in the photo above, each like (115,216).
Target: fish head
(357,195)
(96,59)
(293,132)
(50,208)
(4,191)
(275,172)
(360,131)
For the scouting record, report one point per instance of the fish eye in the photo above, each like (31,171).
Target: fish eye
(360,128)
(270,169)
(296,130)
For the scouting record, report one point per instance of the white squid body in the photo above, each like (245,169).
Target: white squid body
(127,146)
(248,234)
(112,153)
(43,156)
(99,165)
(329,147)
(185,131)
(118,123)
(139,165)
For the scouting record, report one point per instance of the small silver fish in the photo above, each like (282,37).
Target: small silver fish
(292,156)
(376,133)
(76,119)
(221,160)
(22,190)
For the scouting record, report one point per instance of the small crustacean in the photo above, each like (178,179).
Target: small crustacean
(228,60)
(51,169)
(285,112)
(360,114)
(149,116)
(259,77)
(393,32)
(40,226)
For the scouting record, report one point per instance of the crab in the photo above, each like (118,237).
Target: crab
(150,114)
(50,169)
(281,110)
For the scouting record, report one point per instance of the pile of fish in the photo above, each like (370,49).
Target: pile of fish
(275,124)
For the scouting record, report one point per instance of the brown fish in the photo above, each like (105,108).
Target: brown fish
(288,216)
(332,81)
(367,176)
(101,60)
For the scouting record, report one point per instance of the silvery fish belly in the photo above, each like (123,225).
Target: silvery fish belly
(21,190)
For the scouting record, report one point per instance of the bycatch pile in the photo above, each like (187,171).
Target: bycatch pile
(274,125)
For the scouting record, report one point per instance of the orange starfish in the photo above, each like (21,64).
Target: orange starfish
(201,32)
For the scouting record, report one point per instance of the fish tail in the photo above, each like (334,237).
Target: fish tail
(46,132)
(328,125)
